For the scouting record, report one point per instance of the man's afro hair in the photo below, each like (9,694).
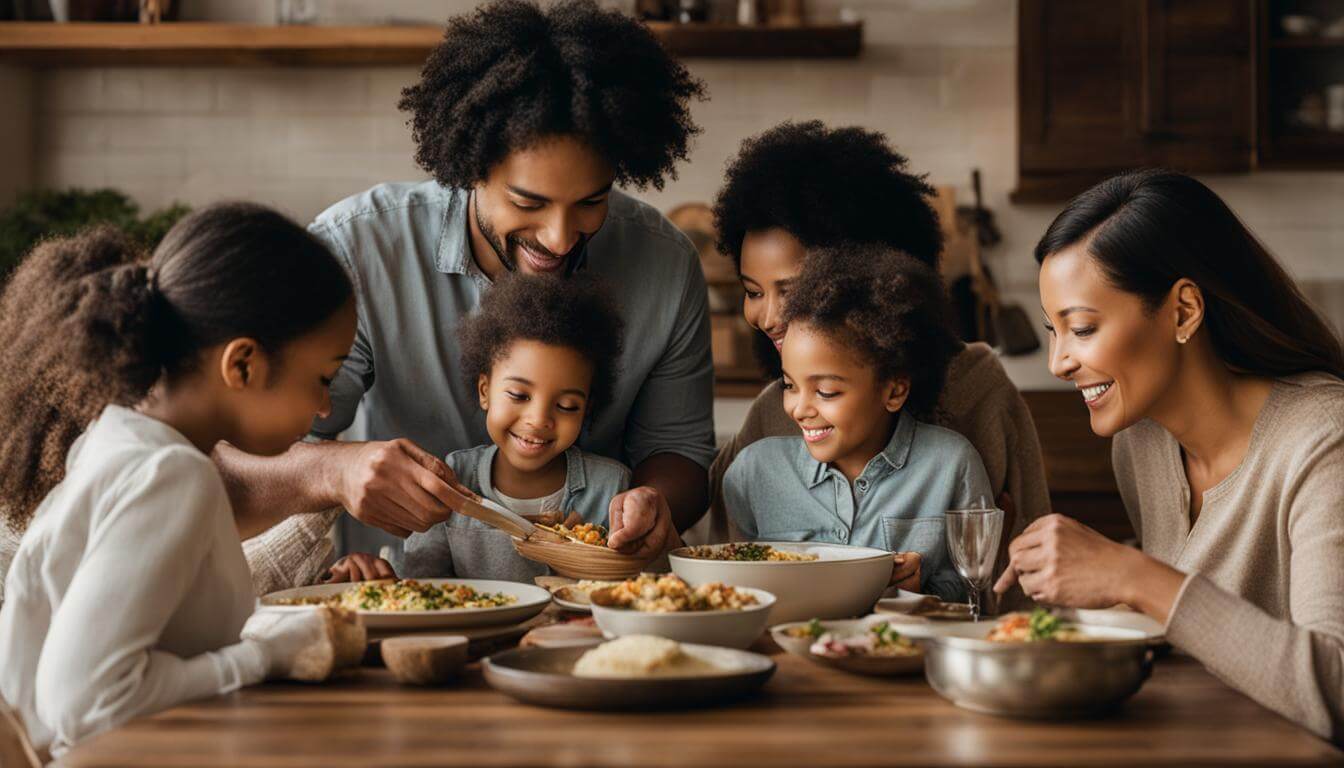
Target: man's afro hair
(511,74)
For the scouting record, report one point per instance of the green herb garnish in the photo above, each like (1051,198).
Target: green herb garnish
(1043,625)
(885,634)
(814,629)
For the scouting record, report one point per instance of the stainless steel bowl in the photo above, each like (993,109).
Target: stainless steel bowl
(1040,680)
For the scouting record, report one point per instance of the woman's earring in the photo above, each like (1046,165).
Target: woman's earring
(1182,339)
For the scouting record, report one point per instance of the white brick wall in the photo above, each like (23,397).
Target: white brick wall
(937,75)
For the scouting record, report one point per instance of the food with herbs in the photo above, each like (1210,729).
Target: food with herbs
(641,656)
(669,594)
(408,595)
(1040,625)
(584,533)
(879,640)
(748,552)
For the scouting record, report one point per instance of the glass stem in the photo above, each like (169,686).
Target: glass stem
(975,603)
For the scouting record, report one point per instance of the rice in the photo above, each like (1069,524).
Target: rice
(629,656)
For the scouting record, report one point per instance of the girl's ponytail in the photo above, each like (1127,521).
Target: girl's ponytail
(70,296)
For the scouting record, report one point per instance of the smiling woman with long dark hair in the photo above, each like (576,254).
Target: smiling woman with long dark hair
(1222,388)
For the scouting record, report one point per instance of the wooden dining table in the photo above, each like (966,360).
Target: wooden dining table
(806,715)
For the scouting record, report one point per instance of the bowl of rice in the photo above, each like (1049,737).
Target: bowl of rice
(809,579)
(666,606)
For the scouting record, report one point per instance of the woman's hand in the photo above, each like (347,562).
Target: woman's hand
(1059,561)
(905,570)
(359,567)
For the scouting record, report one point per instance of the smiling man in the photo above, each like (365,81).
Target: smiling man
(527,119)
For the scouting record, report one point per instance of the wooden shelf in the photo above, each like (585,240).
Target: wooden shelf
(209,44)
(1307,42)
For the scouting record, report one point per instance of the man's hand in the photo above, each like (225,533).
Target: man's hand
(641,524)
(396,486)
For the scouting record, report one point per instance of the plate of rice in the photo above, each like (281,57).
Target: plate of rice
(423,603)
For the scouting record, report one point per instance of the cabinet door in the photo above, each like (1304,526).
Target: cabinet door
(1078,94)
(1195,86)
(1108,85)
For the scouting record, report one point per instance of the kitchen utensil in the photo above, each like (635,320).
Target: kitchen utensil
(1038,679)
(973,543)
(544,676)
(843,581)
(731,629)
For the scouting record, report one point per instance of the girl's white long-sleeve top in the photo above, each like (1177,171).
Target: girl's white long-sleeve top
(129,590)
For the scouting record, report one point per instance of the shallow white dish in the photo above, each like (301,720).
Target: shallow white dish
(730,629)
(882,666)
(531,601)
(844,581)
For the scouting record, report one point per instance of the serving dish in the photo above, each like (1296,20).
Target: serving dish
(529,601)
(789,637)
(733,628)
(1044,679)
(843,581)
(544,676)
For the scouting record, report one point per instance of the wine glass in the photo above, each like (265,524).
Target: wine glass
(973,543)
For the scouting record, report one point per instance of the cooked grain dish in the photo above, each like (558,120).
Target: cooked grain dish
(584,533)
(640,656)
(669,594)
(408,595)
(1040,625)
(748,552)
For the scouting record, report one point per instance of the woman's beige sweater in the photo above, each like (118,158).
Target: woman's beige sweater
(1263,607)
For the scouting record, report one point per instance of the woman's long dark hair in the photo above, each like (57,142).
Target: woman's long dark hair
(89,320)
(1148,229)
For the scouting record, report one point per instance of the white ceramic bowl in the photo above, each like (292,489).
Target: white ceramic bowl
(730,629)
(844,581)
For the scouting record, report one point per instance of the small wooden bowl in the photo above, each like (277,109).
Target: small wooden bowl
(424,659)
(580,561)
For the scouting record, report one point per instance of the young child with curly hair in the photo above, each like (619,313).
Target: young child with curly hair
(542,356)
(864,360)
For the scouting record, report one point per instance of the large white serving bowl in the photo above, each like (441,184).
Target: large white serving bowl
(843,581)
(729,629)
(530,601)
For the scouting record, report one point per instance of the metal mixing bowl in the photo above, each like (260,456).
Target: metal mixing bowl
(1042,680)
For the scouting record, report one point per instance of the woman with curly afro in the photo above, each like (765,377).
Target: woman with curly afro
(775,208)
(864,360)
(526,118)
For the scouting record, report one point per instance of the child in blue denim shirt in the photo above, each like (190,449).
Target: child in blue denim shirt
(542,355)
(865,357)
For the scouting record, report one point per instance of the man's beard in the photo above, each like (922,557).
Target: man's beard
(572,260)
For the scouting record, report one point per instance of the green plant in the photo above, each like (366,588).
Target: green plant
(45,213)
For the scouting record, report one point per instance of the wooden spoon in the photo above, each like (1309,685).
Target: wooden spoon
(506,520)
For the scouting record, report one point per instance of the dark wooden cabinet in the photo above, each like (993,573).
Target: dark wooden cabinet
(1108,85)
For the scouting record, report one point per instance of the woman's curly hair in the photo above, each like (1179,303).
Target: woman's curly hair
(511,74)
(826,186)
(574,312)
(887,308)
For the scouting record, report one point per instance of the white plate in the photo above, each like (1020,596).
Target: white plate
(880,666)
(570,605)
(531,601)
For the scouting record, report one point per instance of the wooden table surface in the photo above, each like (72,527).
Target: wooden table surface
(806,716)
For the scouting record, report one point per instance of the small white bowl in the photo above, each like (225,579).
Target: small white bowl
(730,629)
(844,581)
